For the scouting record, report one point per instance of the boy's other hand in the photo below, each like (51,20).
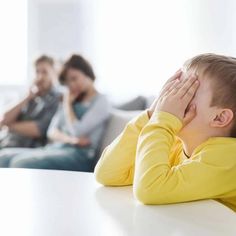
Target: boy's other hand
(167,86)
(176,100)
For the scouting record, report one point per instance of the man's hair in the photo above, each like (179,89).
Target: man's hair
(44,59)
(77,62)
(221,71)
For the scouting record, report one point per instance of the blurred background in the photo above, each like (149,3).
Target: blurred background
(133,45)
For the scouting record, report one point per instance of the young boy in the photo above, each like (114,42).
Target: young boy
(183,148)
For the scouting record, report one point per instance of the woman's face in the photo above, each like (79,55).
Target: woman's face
(77,82)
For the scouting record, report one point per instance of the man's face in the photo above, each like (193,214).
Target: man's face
(44,76)
(204,113)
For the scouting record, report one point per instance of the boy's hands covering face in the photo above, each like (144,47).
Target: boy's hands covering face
(176,96)
(169,83)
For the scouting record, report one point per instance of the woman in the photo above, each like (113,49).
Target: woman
(75,129)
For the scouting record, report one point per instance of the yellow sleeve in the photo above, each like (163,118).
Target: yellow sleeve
(116,165)
(156,181)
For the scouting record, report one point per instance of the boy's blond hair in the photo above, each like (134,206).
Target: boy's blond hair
(221,70)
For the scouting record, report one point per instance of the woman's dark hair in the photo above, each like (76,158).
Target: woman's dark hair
(76,62)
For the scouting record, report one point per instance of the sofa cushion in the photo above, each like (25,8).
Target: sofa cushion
(116,123)
(137,103)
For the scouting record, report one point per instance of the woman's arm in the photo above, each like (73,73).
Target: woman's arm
(94,116)
(55,134)
(68,100)
(116,165)
(58,136)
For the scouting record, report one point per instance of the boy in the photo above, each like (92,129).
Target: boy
(183,148)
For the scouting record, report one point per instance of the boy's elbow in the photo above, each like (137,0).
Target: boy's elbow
(100,171)
(105,176)
(141,195)
(145,196)
(99,176)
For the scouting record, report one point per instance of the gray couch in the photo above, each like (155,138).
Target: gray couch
(120,116)
(116,123)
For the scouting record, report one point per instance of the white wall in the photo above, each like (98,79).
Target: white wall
(142,42)
(13,42)
(60,28)
(134,45)
(13,50)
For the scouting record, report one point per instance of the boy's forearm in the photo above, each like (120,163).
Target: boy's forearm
(116,165)
(156,181)
(152,158)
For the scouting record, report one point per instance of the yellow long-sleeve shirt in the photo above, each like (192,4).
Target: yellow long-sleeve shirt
(148,155)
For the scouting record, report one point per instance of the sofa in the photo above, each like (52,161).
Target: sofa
(115,124)
(120,115)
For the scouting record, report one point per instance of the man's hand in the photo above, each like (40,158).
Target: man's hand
(177,98)
(167,86)
(33,92)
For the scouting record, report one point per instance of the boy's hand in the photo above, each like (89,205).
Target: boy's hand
(176,99)
(167,86)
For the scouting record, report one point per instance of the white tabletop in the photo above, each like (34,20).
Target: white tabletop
(63,203)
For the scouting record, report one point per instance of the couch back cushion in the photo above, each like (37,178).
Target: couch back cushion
(116,123)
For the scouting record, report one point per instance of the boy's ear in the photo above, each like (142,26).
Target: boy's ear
(222,118)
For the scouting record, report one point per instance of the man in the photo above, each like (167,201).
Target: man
(26,123)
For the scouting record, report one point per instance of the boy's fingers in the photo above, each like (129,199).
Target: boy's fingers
(191,113)
(191,91)
(170,81)
(170,87)
(186,86)
(176,75)
(177,86)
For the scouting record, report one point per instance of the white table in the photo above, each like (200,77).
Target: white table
(62,203)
